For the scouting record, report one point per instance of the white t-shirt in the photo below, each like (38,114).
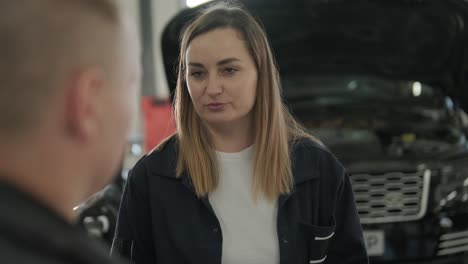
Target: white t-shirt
(248,226)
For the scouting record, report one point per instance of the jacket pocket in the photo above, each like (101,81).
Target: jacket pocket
(316,240)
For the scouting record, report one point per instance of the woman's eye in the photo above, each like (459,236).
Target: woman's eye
(196,74)
(230,70)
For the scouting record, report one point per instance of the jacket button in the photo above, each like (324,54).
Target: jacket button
(284,241)
(215,229)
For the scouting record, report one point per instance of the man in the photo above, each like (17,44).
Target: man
(69,73)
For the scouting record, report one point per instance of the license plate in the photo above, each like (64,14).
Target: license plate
(375,242)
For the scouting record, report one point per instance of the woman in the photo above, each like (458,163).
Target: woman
(241,181)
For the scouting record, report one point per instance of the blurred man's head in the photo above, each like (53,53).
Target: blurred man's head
(69,72)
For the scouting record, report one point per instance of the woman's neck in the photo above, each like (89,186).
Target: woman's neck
(231,138)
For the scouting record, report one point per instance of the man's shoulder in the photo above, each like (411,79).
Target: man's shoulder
(13,252)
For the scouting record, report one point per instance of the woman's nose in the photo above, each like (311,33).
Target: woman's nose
(213,85)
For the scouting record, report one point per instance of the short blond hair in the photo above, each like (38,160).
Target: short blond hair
(40,42)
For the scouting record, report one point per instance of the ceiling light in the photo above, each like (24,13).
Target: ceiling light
(417,89)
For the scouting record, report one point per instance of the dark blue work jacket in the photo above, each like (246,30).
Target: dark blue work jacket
(161,220)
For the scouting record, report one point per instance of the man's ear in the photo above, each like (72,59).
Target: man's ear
(83,103)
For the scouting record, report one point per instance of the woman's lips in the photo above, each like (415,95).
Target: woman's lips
(215,107)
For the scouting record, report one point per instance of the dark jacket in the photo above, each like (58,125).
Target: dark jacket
(31,233)
(161,220)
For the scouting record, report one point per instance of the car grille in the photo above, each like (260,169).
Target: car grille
(391,196)
(452,243)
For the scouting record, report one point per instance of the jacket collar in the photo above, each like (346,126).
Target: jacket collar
(163,162)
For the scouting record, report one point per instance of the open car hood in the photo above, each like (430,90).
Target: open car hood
(414,40)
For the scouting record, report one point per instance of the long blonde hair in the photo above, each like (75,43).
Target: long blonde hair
(275,129)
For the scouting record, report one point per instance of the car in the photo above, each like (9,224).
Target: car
(384,85)
(98,214)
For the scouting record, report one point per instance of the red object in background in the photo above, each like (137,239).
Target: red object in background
(158,121)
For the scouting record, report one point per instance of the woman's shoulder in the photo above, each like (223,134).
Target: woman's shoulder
(310,146)
(165,147)
(162,160)
(313,156)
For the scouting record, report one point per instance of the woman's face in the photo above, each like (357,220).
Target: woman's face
(221,77)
